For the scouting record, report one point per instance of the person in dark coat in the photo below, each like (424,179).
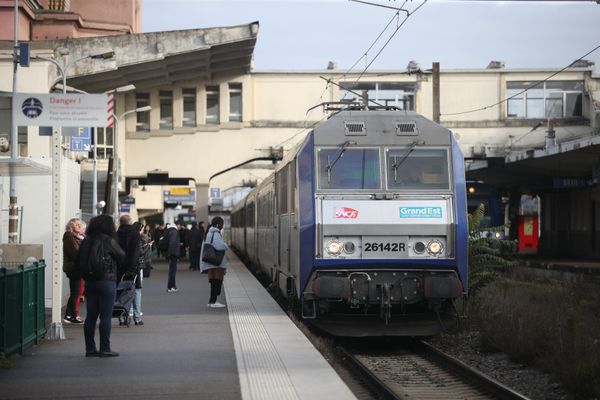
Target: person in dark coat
(71,242)
(136,306)
(101,291)
(131,242)
(173,253)
(194,242)
(157,233)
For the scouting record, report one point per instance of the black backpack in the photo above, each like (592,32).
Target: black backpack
(98,264)
(163,243)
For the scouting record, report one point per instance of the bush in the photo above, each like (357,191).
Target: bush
(553,326)
(487,256)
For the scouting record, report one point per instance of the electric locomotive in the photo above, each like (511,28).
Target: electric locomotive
(363,226)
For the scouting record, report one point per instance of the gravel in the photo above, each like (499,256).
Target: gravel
(526,380)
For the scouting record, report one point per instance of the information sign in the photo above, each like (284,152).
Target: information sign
(53,109)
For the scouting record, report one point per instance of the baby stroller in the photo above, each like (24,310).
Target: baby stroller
(125,295)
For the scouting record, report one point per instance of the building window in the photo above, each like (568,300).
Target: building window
(22,139)
(212,104)
(189,107)
(143,118)
(166,109)
(235,102)
(105,146)
(397,94)
(552,99)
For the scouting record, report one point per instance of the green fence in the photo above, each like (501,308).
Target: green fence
(22,315)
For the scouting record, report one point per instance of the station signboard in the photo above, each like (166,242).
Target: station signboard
(52,109)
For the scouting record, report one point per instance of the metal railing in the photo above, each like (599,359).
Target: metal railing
(22,313)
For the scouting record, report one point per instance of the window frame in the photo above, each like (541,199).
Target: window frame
(377,91)
(546,96)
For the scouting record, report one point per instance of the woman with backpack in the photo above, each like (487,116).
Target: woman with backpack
(97,261)
(215,269)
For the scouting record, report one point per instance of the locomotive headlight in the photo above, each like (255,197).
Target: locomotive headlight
(419,247)
(435,247)
(334,248)
(349,247)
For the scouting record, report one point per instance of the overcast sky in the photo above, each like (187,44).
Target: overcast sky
(307,34)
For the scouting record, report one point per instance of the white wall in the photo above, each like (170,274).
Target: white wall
(34,194)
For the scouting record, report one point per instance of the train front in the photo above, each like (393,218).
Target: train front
(389,224)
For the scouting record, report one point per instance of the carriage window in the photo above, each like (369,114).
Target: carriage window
(417,169)
(343,168)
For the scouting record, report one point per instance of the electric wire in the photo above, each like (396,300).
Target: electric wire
(534,84)
(363,56)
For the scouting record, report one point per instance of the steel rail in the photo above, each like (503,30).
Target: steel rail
(498,389)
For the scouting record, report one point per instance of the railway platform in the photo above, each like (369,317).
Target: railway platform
(563,270)
(249,350)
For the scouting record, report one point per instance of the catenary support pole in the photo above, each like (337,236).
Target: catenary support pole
(436,91)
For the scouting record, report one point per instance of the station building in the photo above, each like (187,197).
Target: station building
(210,110)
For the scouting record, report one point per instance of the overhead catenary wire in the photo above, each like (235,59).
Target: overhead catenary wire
(364,55)
(534,84)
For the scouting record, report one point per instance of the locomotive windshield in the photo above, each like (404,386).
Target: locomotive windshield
(343,168)
(417,169)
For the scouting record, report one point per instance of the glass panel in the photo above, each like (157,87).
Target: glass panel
(166,109)
(109,152)
(189,107)
(554,105)
(515,108)
(417,169)
(574,105)
(100,152)
(109,136)
(348,168)
(235,101)
(535,103)
(143,118)
(212,104)
(100,136)
(565,85)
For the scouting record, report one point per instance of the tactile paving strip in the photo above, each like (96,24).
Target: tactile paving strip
(262,372)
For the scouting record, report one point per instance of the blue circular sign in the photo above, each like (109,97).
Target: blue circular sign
(32,107)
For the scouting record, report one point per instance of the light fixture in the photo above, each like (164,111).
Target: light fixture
(435,247)
(334,248)
(144,188)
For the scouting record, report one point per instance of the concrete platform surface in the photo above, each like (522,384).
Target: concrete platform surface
(184,350)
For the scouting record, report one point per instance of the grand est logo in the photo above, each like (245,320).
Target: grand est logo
(346,213)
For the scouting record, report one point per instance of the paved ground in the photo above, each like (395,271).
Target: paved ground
(184,351)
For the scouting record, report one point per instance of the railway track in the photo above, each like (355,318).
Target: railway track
(419,371)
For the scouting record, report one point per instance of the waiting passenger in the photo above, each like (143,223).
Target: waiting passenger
(97,261)
(71,242)
(216,273)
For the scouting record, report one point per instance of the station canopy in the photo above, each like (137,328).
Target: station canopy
(575,159)
(157,58)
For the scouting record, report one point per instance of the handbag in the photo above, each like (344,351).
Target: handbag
(210,254)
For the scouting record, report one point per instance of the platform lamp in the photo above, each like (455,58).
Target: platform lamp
(116,154)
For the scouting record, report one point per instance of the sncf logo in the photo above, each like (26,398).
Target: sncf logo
(346,212)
